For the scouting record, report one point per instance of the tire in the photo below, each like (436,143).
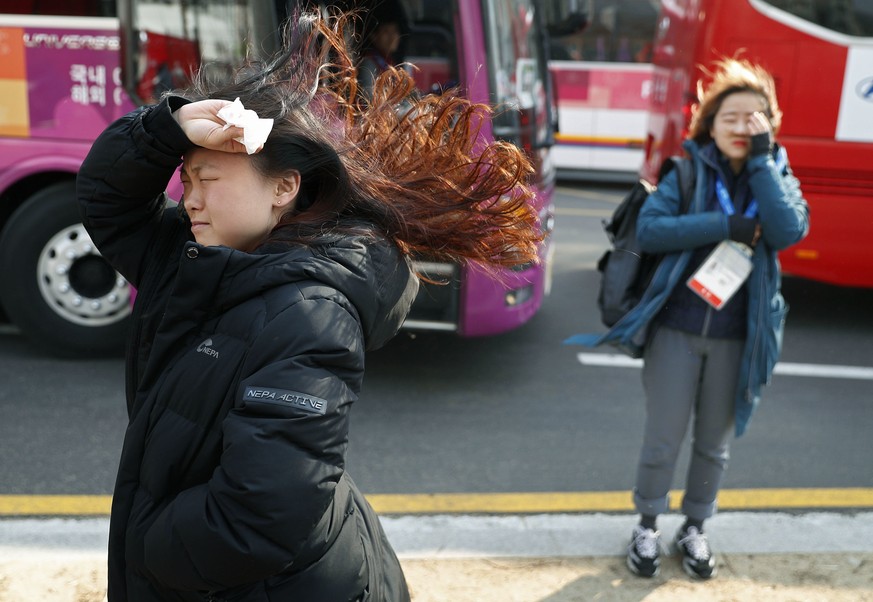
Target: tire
(54,284)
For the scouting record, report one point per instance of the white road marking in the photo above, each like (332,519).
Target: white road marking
(616,360)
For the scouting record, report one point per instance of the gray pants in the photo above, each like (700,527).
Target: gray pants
(686,374)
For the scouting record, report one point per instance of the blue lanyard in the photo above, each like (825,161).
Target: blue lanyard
(727,205)
(724,199)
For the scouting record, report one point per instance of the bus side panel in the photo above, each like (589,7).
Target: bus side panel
(21,158)
(471,58)
(602,111)
(837,182)
(60,83)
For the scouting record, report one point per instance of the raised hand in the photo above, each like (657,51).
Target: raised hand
(761,132)
(200,122)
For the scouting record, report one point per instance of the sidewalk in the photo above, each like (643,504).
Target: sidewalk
(541,558)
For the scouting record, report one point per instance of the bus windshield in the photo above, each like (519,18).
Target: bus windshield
(518,80)
(173,38)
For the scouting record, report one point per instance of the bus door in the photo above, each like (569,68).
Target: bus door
(820,54)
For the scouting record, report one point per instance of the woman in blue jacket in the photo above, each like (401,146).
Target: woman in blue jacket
(711,322)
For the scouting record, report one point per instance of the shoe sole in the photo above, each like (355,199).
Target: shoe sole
(636,571)
(689,570)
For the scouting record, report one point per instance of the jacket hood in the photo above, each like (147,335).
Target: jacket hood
(369,271)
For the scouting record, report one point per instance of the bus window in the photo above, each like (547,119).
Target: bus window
(615,31)
(176,37)
(430,48)
(851,17)
(515,56)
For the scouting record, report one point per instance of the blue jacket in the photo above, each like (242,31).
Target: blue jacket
(784,219)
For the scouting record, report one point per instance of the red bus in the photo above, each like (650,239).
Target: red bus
(821,56)
(68,69)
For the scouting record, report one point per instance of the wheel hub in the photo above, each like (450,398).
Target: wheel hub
(78,283)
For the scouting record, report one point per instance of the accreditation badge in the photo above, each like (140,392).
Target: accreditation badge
(722,274)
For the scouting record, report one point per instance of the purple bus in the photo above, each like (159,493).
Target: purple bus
(65,76)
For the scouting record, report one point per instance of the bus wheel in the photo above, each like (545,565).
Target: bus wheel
(54,284)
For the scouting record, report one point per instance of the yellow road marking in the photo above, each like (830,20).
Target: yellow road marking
(54,505)
(591,195)
(495,503)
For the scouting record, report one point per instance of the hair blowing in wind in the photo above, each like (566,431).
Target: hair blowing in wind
(410,166)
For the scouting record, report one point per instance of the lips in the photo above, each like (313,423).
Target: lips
(740,143)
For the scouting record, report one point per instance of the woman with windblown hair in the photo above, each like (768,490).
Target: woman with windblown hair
(257,298)
(711,321)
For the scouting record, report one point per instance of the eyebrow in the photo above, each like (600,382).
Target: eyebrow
(737,112)
(198,167)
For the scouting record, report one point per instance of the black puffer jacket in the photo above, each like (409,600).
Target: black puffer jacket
(242,371)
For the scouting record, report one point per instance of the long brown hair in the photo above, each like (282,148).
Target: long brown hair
(728,76)
(408,166)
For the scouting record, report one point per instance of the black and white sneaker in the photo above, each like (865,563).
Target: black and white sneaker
(697,559)
(644,552)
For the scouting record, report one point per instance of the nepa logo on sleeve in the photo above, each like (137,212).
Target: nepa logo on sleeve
(302,401)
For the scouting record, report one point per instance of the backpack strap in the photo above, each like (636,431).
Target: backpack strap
(685,174)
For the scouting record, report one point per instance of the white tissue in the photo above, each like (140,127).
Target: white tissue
(255,129)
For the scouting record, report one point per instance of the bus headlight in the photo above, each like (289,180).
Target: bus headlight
(518,296)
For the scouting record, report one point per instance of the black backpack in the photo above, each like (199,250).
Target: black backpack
(625,270)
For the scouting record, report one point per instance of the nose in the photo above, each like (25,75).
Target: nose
(191,200)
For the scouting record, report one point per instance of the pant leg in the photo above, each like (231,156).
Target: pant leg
(671,373)
(713,427)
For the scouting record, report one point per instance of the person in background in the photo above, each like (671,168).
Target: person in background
(708,351)
(258,296)
(382,41)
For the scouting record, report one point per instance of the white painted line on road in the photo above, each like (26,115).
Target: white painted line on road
(610,360)
(616,360)
(528,536)
(824,371)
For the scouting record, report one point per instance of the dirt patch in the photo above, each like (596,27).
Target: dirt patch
(776,578)
(81,577)
(53,577)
